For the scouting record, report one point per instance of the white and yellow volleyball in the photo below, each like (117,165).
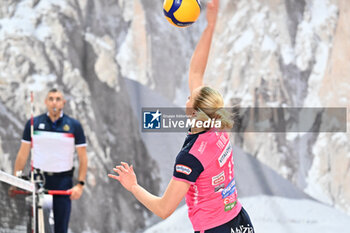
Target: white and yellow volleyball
(182,13)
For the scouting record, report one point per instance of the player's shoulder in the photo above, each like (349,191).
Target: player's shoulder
(189,142)
(184,153)
(185,158)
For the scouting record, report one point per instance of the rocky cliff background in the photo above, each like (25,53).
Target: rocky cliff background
(265,53)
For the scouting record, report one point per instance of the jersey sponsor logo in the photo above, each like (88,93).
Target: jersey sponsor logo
(41,126)
(230,189)
(202,147)
(230,206)
(225,155)
(218,178)
(183,169)
(230,202)
(230,199)
(66,127)
(219,188)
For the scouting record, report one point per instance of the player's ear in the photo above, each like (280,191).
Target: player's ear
(194,113)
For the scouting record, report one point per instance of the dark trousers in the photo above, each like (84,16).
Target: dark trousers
(241,223)
(61,204)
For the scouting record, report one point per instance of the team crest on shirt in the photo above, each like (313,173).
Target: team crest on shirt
(66,127)
(41,126)
(183,169)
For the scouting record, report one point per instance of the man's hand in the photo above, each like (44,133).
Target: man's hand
(77,191)
(12,191)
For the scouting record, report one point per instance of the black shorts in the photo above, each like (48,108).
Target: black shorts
(240,224)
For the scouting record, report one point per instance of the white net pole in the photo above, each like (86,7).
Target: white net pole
(31,158)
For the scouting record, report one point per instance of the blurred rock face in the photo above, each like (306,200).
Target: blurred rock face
(265,53)
(75,46)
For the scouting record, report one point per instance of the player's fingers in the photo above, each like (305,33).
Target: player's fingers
(117,170)
(132,168)
(126,165)
(122,168)
(114,177)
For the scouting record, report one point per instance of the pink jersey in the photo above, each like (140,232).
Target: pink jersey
(205,161)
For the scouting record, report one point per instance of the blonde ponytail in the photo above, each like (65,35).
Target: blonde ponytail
(209,106)
(225,118)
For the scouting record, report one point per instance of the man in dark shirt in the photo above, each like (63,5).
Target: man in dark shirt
(55,138)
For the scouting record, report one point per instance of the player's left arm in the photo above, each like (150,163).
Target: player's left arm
(165,205)
(161,206)
(77,190)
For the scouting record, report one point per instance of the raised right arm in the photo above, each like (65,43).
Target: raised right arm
(201,53)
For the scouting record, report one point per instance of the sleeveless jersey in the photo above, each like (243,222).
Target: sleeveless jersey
(206,162)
